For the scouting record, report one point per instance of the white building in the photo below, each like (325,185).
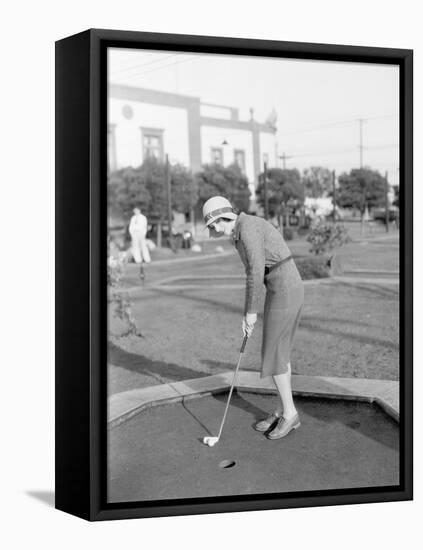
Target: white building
(144,123)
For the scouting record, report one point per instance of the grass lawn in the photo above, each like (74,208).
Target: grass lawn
(378,251)
(364,255)
(346,330)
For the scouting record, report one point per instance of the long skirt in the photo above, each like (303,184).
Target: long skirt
(282,312)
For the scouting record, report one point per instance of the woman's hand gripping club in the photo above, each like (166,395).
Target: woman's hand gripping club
(248,323)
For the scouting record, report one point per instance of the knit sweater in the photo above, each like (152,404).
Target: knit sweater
(259,245)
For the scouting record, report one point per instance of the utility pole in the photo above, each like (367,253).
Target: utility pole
(386,202)
(334,195)
(284,156)
(169,204)
(360,120)
(266,197)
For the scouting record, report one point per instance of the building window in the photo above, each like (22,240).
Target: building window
(239,159)
(111,147)
(217,155)
(152,143)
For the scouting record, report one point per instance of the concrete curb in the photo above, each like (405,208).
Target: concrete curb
(377,238)
(381,272)
(197,258)
(171,283)
(367,280)
(125,405)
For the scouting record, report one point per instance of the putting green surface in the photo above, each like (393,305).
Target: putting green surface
(159,453)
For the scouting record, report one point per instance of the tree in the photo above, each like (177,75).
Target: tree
(317,181)
(228,182)
(145,186)
(184,188)
(362,188)
(127,189)
(282,186)
(153,175)
(396,201)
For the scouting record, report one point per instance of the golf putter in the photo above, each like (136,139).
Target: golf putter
(211,440)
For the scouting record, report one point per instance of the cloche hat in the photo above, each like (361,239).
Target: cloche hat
(217,207)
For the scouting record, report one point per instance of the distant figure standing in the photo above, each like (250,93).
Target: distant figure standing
(138,232)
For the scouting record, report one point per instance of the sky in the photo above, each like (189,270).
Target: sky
(319,104)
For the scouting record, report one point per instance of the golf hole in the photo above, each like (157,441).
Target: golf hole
(227,464)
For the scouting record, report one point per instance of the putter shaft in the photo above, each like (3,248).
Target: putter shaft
(244,342)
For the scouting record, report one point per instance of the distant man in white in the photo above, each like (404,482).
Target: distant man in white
(138,232)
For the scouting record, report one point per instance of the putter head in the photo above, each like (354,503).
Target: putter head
(210,440)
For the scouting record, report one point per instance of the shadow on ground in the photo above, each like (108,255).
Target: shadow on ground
(215,365)
(46,497)
(355,415)
(374,289)
(159,370)
(340,445)
(320,409)
(246,405)
(313,323)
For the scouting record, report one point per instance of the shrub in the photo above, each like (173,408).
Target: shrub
(289,233)
(116,297)
(313,267)
(326,236)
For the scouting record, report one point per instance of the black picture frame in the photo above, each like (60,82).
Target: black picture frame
(81,286)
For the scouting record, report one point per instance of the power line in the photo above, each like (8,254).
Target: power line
(141,65)
(284,158)
(387,146)
(361,146)
(325,153)
(163,67)
(360,121)
(341,152)
(335,124)
(318,127)
(377,117)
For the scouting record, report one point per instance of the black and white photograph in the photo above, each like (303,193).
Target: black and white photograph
(253,270)
(211,234)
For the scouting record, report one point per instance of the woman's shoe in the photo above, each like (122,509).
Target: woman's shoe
(267,423)
(284,427)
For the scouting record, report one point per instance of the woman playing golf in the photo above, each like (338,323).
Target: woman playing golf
(267,258)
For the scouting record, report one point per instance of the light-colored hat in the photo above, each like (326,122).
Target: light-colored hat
(217,207)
